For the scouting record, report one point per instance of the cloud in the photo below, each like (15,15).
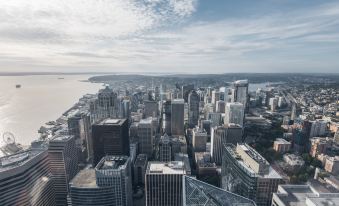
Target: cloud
(154,35)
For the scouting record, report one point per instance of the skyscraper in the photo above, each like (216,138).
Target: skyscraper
(115,172)
(167,117)
(234,113)
(230,133)
(126,108)
(241,92)
(185,90)
(215,119)
(215,97)
(177,117)
(26,179)
(63,158)
(140,166)
(110,137)
(151,109)
(164,183)
(199,139)
(246,173)
(165,150)
(107,100)
(220,106)
(193,108)
(146,137)
(109,184)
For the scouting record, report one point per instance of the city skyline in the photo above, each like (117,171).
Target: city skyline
(169,36)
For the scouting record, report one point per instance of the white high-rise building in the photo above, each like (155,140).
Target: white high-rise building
(234,113)
(163,185)
(215,96)
(273,104)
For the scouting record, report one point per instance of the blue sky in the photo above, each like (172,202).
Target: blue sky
(180,36)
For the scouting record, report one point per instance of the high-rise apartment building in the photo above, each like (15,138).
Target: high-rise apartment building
(63,158)
(246,173)
(177,117)
(234,113)
(164,183)
(110,137)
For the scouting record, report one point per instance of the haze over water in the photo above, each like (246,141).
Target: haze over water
(40,99)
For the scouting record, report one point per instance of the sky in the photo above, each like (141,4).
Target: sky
(169,36)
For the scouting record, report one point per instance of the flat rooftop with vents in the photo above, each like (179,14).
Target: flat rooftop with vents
(173,167)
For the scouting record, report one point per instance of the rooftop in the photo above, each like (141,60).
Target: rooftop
(297,195)
(112,122)
(178,101)
(270,174)
(146,121)
(85,178)
(281,141)
(174,167)
(141,160)
(252,153)
(241,82)
(112,163)
(18,159)
(61,138)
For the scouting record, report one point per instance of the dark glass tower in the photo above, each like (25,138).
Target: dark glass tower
(110,137)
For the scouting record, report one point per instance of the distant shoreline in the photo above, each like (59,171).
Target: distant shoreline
(150,73)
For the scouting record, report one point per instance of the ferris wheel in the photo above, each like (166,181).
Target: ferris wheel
(8,138)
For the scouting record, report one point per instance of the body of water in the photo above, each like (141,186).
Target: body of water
(39,100)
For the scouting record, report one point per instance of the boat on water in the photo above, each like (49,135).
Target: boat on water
(18,86)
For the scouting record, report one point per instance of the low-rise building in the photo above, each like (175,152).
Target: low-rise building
(332,164)
(303,195)
(281,145)
(293,160)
